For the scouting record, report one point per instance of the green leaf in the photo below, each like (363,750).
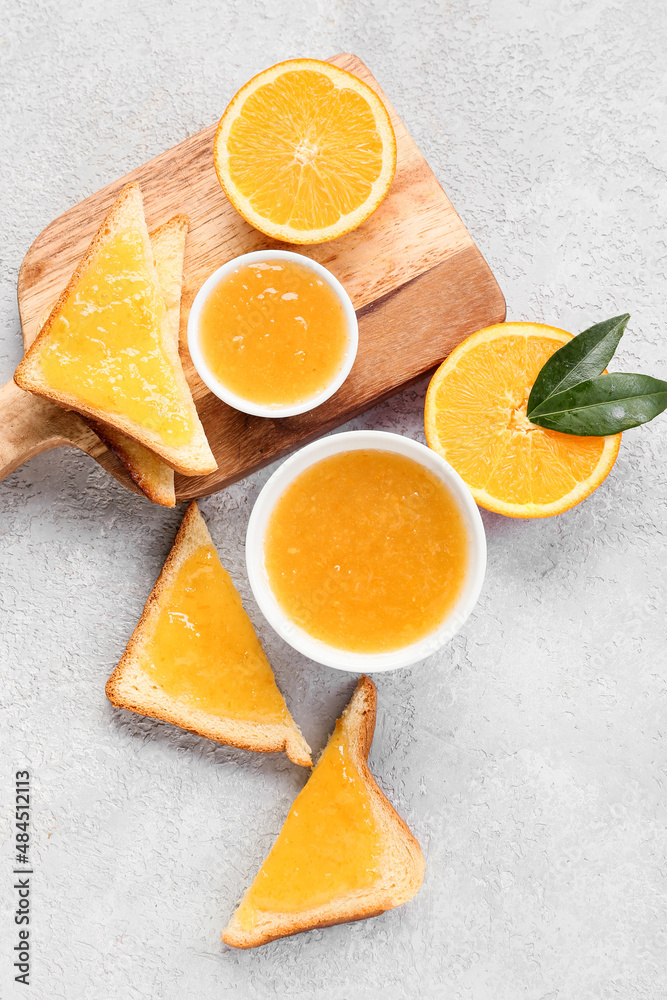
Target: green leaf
(603,405)
(582,358)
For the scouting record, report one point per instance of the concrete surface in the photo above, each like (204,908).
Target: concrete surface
(529,756)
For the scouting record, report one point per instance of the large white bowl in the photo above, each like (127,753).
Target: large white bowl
(317,650)
(246,405)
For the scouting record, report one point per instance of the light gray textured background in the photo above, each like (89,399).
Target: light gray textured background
(529,756)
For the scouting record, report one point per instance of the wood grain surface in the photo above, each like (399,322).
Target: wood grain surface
(415,277)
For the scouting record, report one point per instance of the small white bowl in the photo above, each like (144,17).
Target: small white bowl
(246,405)
(299,639)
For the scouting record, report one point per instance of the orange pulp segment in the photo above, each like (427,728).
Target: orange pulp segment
(475,417)
(305,151)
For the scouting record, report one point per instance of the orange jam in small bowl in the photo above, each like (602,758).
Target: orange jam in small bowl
(272,333)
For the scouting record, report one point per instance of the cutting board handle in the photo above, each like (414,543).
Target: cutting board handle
(30,425)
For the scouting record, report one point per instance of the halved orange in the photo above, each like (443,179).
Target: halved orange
(475,417)
(305,151)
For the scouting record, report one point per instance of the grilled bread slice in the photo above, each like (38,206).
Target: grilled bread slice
(343,852)
(105,352)
(194,659)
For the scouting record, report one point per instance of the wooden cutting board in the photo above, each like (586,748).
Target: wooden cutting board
(417,280)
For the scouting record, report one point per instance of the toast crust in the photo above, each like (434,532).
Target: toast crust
(402,861)
(128,686)
(154,477)
(193,459)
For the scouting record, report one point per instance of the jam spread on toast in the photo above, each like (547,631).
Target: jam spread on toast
(205,651)
(105,345)
(329,844)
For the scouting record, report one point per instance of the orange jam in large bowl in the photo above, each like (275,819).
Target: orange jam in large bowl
(366,551)
(273,333)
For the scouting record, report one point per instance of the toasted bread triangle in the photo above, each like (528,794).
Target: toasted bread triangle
(193,455)
(153,476)
(137,684)
(399,864)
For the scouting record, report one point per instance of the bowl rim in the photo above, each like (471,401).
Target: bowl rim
(298,638)
(246,405)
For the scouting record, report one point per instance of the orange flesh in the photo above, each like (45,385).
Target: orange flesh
(366,551)
(482,428)
(329,844)
(303,151)
(105,346)
(274,332)
(205,651)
